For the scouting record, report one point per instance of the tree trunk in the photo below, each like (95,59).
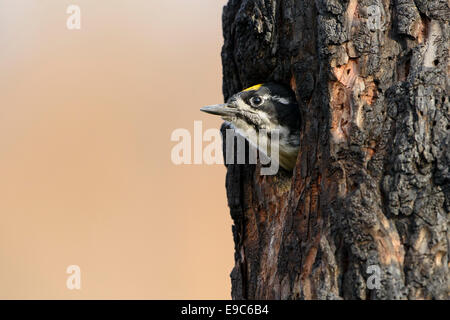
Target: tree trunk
(370,190)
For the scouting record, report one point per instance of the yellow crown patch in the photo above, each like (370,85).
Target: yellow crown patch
(256,87)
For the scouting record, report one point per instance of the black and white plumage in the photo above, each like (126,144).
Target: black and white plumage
(269,106)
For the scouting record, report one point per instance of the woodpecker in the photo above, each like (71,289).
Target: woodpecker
(268,106)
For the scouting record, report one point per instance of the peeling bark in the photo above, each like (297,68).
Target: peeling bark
(371,183)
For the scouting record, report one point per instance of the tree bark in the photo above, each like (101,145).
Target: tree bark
(371,183)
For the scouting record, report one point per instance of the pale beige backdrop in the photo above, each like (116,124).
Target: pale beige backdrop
(85,171)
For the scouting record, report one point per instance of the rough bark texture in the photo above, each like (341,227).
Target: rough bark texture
(371,184)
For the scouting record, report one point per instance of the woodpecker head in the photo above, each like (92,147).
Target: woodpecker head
(267,106)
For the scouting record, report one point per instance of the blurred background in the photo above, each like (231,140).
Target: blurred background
(86,176)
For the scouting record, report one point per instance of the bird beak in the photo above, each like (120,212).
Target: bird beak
(223,110)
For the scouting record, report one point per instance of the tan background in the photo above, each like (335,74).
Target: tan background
(85,170)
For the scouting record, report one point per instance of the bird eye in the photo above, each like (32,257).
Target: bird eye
(256,101)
